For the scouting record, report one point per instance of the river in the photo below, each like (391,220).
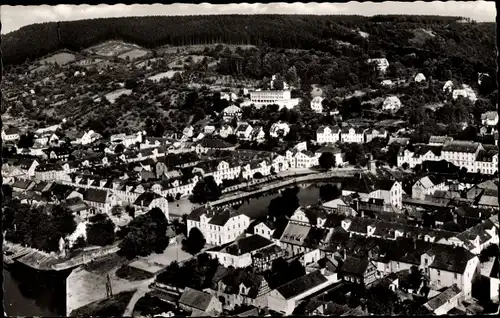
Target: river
(28,292)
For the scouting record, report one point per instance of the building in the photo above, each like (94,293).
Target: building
(258,134)
(243,131)
(448,86)
(265,229)
(100,201)
(10,134)
(327,134)
(206,144)
(188,131)
(126,140)
(317,104)
(199,303)
(371,134)
(285,298)
(240,252)
(391,103)
(50,172)
(303,159)
(230,97)
(489,119)
(231,112)
(279,129)
(337,154)
(352,135)
(282,98)
(439,140)
(225,131)
(382,64)
(28,166)
(150,200)
(358,270)
(427,186)
(218,226)
(419,78)
(88,138)
(441,304)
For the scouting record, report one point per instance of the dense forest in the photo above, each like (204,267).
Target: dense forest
(388,35)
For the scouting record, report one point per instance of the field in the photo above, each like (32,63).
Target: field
(133,54)
(421,35)
(114,48)
(113,306)
(159,76)
(112,96)
(59,58)
(182,60)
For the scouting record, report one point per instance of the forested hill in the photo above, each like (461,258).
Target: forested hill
(388,35)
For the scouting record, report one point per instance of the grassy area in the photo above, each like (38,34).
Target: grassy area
(104,265)
(111,307)
(133,274)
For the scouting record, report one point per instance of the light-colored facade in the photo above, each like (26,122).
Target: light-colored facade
(391,103)
(327,134)
(317,104)
(382,64)
(279,129)
(352,135)
(273,97)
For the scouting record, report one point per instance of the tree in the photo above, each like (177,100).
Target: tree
(381,301)
(194,242)
(327,160)
(120,148)
(328,192)
(101,232)
(258,175)
(117,211)
(63,221)
(26,141)
(205,190)
(291,76)
(146,235)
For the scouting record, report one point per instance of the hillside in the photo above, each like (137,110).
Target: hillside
(387,35)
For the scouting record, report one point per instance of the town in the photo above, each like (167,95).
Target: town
(237,180)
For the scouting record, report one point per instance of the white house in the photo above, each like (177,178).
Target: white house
(445,301)
(391,103)
(243,131)
(282,98)
(382,64)
(489,119)
(126,140)
(225,131)
(10,134)
(352,135)
(448,86)
(465,92)
(387,83)
(209,129)
(419,78)
(228,96)
(231,112)
(317,104)
(52,128)
(304,160)
(327,134)
(427,186)
(89,137)
(258,134)
(279,129)
(264,229)
(371,134)
(188,131)
(149,200)
(218,226)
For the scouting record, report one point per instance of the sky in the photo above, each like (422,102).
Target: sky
(15,17)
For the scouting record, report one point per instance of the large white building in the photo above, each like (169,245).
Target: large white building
(327,134)
(471,155)
(218,226)
(489,119)
(282,98)
(382,64)
(231,112)
(391,103)
(352,135)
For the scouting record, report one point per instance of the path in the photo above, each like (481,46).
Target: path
(141,291)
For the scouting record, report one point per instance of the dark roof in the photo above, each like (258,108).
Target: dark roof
(246,245)
(196,213)
(449,258)
(214,143)
(354,265)
(195,299)
(21,184)
(240,276)
(301,284)
(461,146)
(146,198)
(95,195)
(221,218)
(442,298)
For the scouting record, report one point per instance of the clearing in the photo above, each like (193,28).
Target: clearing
(160,76)
(113,48)
(133,54)
(112,96)
(181,61)
(420,36)
(59,58)
(363,34)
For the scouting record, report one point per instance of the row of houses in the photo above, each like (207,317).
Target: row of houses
(348,134)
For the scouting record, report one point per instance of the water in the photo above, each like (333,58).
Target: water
(28,292)
(257,207)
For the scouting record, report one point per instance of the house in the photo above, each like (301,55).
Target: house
(370,134)
(101,201)
(419,78)
(239,287)
(317,104)
(391,103)
(52,128)
(279,129)
(231,112)
(447,265)
(337,154)
(88,138)
(448,86)
(387,83)
(465,92)
(78,207)
(313,216)
(258,134)
(225,131)
(22,185)
(489,119)
(327,134)
(304,159)
(238,253)
(273,79)
(149,200)
(365,186)
(28,166)
(358,270)
(265,229)
(188,131)
(439,140)
(382,64)
(490,277)
(428,185)
(50,172)
(285,298)
(209,129)
(230,97)
(206,144)
(441,304)
(198,302)
(282,98)
(244,131)
(218,226)
(10,134)
(352,135)
(126,140)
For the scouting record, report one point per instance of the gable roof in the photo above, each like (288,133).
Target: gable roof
(301,284)
(95,195)
(245,245)
(146,198)
(442,298)
(221,218)
(195,299)
(354,265)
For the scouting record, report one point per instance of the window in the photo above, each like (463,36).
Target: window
(438,272)
(455,275)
